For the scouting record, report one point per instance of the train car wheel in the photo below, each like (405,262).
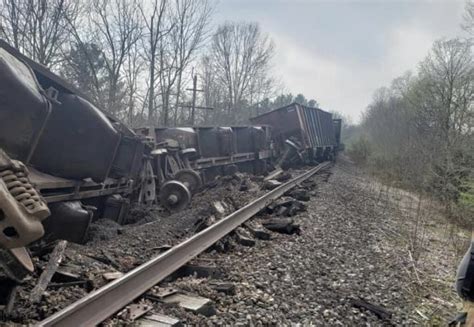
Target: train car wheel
(190,178)
(174,196)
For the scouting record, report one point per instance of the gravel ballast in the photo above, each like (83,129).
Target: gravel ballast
(355,244)
(353,248)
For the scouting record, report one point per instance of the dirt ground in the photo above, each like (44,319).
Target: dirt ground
(360,242)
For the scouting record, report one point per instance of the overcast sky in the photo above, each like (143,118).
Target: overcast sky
(339,52)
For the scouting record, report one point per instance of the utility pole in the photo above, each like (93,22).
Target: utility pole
(193,104)
(195,79)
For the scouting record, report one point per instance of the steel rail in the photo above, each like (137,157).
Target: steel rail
(104,302)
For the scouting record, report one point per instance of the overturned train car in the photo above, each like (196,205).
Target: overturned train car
(185,157)
(302,133)
(62,160)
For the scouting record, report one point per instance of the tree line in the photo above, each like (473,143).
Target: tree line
(419,131)
(136,59)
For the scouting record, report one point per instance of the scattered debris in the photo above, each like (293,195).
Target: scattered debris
(80,283)
(62,275)
(284,201)
(244,186)
(259,232)
(282,225)
(200,269)
(8,290)
(274,174)
(112,275)
(192,303)
(203,223)
(286,206)
(127,262)
(218,209)
(159,320)
(223,287)
(299,194)
(48,272)
(271,184)
(160,249)
(379,311)
(243,237)
(223,245)
(284,176)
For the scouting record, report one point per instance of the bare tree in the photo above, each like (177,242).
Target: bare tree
(468,24)
(134,66)
(155,30)
(115,26)
(174,32)
(191,19)
(38,28)
(240,53)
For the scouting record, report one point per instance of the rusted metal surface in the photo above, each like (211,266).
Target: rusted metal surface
(310,128)
(102,303)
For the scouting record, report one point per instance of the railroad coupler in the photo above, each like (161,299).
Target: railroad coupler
(21,207)
(21,211)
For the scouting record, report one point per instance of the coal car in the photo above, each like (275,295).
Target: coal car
(302,133)
(185,156)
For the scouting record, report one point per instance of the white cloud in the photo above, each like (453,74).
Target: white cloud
(346,85)
(339,53)
(334,84)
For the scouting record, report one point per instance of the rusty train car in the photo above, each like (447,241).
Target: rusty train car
(65,163)
(302,133)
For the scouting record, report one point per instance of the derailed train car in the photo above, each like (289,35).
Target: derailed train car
(302,133)
(185,156)
(62,160)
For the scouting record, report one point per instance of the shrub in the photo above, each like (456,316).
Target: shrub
(360,150)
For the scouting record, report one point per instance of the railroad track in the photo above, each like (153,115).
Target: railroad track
(104,302)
